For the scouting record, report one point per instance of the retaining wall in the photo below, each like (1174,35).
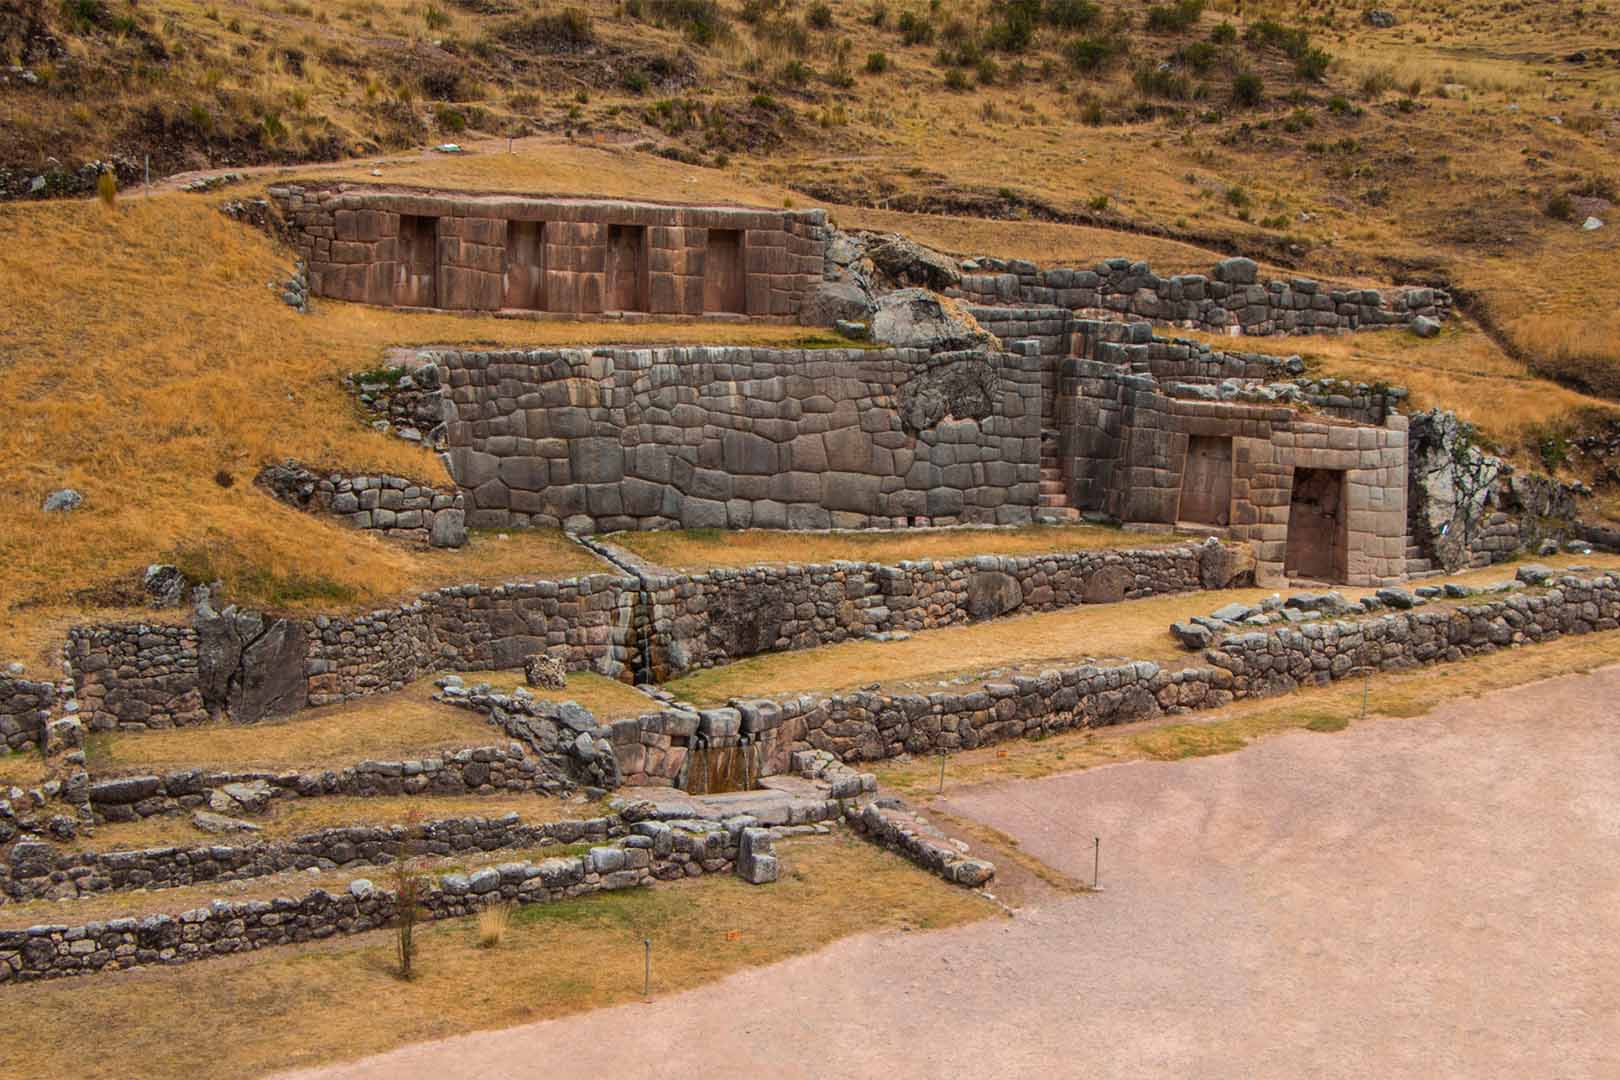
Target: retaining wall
(392,505)
(655,851)
(39,870)
(1230,299)
(25,711)
(869,726)
(619,626)
(731,437)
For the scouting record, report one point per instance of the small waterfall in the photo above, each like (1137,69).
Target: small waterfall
(722,763)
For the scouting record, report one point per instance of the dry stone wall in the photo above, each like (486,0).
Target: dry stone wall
(1231,298)
(871,725)
(729,437)
(37,870)
(392,505)
(26,708)
(655,851)
(617,625)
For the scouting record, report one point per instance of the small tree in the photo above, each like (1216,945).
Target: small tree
(407,913)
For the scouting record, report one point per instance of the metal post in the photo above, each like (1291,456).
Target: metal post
(148,176)
(1366,690)
(942,772)
(509,144)
(1096,860)
(646,978)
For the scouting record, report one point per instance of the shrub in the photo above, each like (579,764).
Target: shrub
(1090,54)
(702,21)
(1312,64)
(1098,202)
(915,29)
(1559,207)
(876,63)
(492,924)
(1377,83)
(1012,25)
(987,72)
(1248,89)
(1223,34)
(635,82)
(1175,18)
(107,188)
(564,31)
(795,73)
(956,81)
(1160,82)
(819,16)
(1070,14)
(1200,56)
(879,18)
(436,17)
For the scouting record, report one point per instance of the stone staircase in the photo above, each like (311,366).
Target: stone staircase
(1054,505)
(1416,565)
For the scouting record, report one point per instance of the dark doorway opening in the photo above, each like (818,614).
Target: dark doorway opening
(417,280)
(1206,482)
(627,268)
(526,265)
(725,277)
(1318,533)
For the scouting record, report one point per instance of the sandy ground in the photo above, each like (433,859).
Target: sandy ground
(1437,897)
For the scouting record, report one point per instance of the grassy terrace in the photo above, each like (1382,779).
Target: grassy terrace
(385,727)
(337,1000)
(1132,630)
(1319,709)
(294,883)
(706,549)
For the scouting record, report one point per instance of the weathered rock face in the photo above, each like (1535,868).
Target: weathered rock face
(991,593)
(1223,566)
(907,262)
(954,386)
(919,319)
(249,666)
(833,301)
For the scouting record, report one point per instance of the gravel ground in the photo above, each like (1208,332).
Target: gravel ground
(1411,898)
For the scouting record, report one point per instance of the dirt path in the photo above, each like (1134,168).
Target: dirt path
(1411,898)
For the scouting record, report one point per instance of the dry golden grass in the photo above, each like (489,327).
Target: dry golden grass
(288,818)
(1130,630)
(381,727)
(493,922)
(702,549)
(306,1005)
(1319,709)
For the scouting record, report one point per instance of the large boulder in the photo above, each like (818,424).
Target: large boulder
(965,388)
(907,262)
(919,319)
(1451,487)
(251,666)
(991,593)
(832,302)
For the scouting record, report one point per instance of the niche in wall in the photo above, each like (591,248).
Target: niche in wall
(1206,482)
(725,274)
(627,268)
(526,265)
(416,280)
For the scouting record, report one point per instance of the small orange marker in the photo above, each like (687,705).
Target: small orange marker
(733,935)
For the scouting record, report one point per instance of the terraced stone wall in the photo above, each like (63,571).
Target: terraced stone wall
(870,726)
(26,707)
(729,437)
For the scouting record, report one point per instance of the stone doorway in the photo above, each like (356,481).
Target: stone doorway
(627,268)
(417,277)
(1206,482)
(1318,536)
(526,265)
(725,276)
